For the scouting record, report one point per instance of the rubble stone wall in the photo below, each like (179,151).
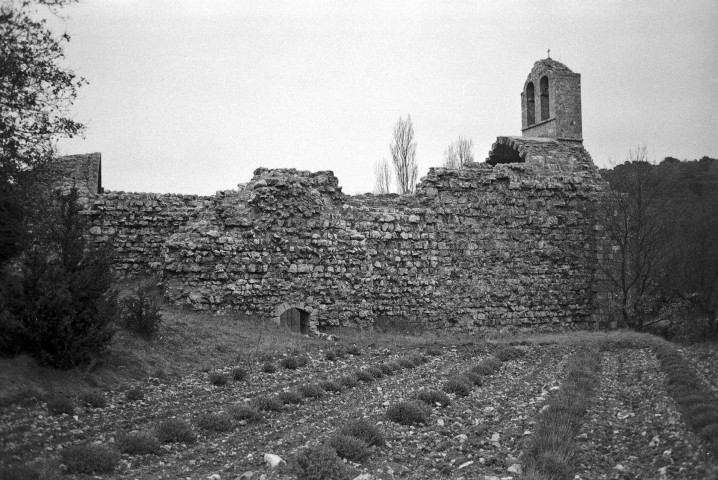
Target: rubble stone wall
(505,244)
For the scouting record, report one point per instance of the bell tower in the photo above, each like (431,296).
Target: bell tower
(551,102)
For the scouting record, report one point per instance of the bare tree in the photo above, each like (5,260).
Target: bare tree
(459,153)
(403,155)
(382,173)
(633,217)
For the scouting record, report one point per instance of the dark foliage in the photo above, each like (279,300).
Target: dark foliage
(93,399)
(217,378)
(174,430)
(215,422)
(269,367)
(290,398)
(311,390)
(239,374)
(407,413)
(268,404)
(89,459)
(59,405)
(138,444)
(134,394)
(365,431)
(348,447)
(141,312)
(245,412)
(457,386)
(318,463)
(62,305)
(433,397)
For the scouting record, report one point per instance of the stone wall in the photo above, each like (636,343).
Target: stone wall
(509,242)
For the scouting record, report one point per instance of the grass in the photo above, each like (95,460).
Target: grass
(215,422)
(331,386)
(290,363)
(434,398)
(174,430)
(374,372)
(349,381)
(93,399)
(507,353)
(138,443)
(89,459)
(245,413)
(458,386)
(350,448)
(486,367)
(239,374)
(268,404)
(269,367)
(311,390)
(365,431)
(290,398)
(134,394)
(407,413)
(319,463)
(60,405)
(217,378)
(364,376)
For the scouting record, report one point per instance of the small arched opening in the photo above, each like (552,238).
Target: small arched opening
(295,319)
(543,85)
(530,104)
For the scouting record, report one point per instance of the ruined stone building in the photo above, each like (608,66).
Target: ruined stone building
(511,241)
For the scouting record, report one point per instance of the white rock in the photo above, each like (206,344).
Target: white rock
(488,410)
(495,437)
(620,468)
(461,438)
(364,476)
(515,468)
(246,475)
(466,464)
(440,422)
(654,441)
(272,460)
(491,477)
(214,476)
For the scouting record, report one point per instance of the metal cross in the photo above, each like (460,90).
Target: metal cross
(549,53)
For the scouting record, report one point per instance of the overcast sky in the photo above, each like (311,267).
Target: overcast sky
(190,96)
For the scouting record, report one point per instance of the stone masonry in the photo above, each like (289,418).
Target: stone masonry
(511,242)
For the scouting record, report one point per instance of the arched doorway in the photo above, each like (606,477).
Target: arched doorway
(295,319)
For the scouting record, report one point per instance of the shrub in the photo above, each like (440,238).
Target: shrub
(290,363)
(407,362)
(710,433)
(60,405)
(269,368)
(394,366)
(89,459)
(433,397)
(134,394)
(289,398)
(318,463)
(407,413)
(375,372)
(457,386)
(217,378)
(487,366)
(246,413)
(311,390)
(508,353)
(703,419)
(352,350)
(215,422)
(239,374)
(141,313)
(174,430)
(302,360)
(268,404)
(349,381)
(61,306)
(348,447)
(364,431)
(93,399)
(386,368)
(330,355)
(138,444)
(472,378)
(331,386)
(433,351)
(364,376)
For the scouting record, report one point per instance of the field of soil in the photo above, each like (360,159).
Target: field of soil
(632,429)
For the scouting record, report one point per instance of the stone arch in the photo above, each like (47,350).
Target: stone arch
(530,104)
(296,316)
(505,150)
(543,86)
